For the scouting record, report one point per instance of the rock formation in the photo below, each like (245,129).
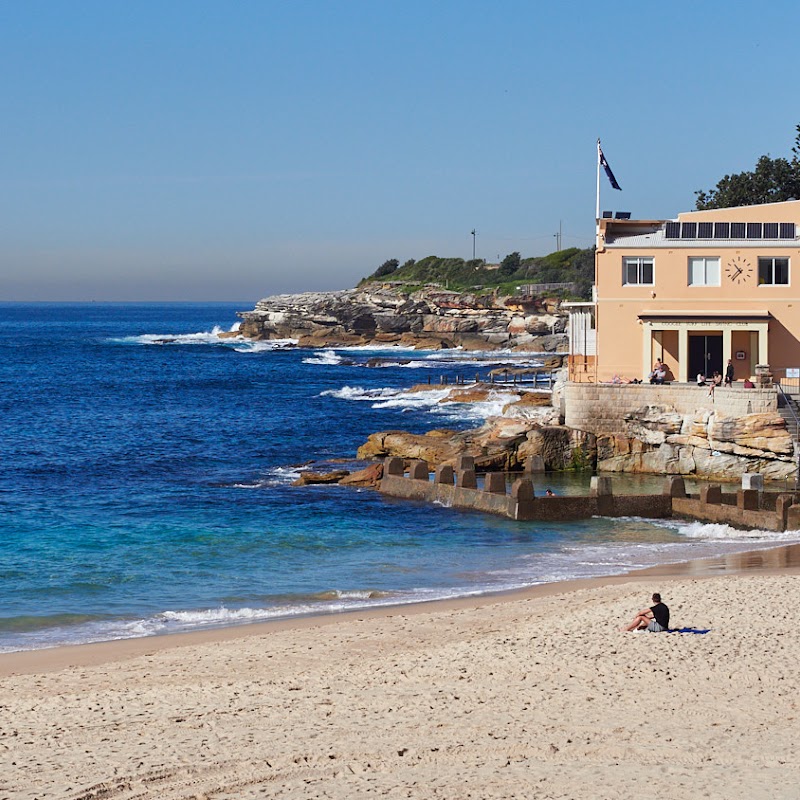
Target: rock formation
(657,440)
(706,443)
(429,318)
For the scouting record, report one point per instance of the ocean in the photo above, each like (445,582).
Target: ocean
(146,469)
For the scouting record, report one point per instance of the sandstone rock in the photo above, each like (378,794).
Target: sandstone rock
(307,478)
(560,447)
(433,449)
(369,476)
(763,432)
(652,424)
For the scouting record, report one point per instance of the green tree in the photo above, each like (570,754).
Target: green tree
(510,264)
(772,181)
(387,268)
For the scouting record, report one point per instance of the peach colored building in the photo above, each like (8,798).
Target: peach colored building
(695,291)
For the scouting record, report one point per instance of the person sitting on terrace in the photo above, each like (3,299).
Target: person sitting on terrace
(701,379)
(659,372)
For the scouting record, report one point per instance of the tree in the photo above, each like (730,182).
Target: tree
(772,181)
(510,264)
(387,268)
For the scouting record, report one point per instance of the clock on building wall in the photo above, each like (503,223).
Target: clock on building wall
(738,270)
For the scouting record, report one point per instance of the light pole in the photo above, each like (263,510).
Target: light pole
(473,243)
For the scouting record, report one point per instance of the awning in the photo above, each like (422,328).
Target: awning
(663,315)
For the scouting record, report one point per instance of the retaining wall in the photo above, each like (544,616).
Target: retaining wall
(600,408)
(746,508)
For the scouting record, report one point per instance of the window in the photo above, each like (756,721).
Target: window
(703,271)
(773,271)
(637,271)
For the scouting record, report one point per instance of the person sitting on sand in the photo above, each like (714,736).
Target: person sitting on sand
(654,619)
(549,493)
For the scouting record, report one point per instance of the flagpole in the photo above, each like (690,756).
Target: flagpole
(597,209)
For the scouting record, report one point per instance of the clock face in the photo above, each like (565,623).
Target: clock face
(738,270)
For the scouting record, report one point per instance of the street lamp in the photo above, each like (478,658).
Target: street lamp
(473,243)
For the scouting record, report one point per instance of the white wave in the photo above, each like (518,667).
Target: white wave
(427,399)
(263,346)
(212,337)
(277,476)
(325,358)
(359,393)
(712,531)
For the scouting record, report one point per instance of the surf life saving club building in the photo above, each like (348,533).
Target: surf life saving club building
(694,292)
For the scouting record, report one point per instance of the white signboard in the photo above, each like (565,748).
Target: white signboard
(793,372)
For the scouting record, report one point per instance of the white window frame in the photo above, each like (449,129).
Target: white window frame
(773,259)
(705,260)
(639,262)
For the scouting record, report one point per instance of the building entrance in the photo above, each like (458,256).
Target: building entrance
(705,354)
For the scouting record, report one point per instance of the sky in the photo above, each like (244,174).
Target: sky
(203,150)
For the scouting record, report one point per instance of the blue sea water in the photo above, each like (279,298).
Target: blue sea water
(146,469)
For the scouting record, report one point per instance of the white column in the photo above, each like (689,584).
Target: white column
(726,347)
(647,351)
(763,352)
(683,354)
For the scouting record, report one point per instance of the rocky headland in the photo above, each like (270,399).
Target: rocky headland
(428,318)
(653,439)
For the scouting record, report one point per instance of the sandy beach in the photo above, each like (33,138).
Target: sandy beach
(531,695)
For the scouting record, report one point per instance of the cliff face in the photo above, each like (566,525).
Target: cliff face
(428,318)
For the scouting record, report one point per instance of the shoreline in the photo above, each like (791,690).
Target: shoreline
(778,560)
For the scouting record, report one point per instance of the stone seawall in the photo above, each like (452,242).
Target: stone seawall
(747,508)
(601,408)
(458,489)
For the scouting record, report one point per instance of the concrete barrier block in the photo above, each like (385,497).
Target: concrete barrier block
(753,480)
(747,499)
(465,479)
(783,502)
(495,482)
(793,518)
(600,486)
(394,466)
(465,463)
(674,486)
(711,493)
(534,465)
(444,474)
(419,470)
(522,490)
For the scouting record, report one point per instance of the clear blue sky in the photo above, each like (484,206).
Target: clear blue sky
(231,150)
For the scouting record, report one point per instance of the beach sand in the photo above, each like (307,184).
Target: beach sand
(531,695)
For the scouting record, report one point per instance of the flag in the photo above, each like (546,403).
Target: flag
(604,164)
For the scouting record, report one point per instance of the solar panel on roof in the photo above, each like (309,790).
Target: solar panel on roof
(787,230)
(737,230)
(673,230)
(705,230)
(722,230)
(689,230)
(754,230)
(608,214)
(770,230)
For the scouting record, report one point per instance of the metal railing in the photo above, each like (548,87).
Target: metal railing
(787,403)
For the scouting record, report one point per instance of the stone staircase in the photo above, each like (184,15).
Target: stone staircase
(789,409)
